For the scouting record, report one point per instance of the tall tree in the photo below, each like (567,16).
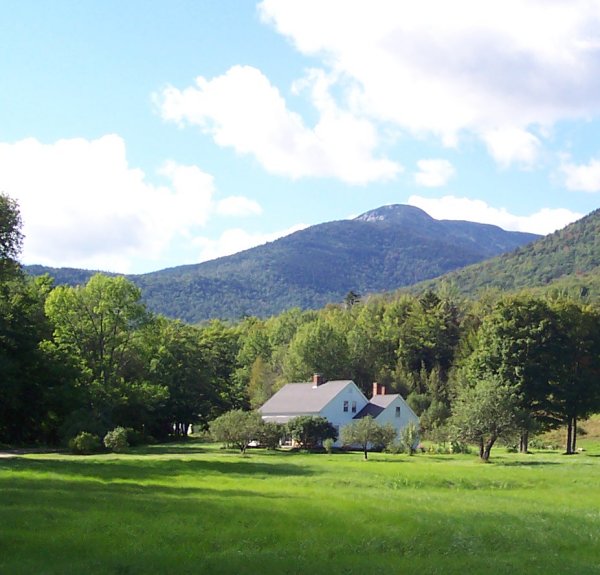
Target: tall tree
(35,385)
(577,390)
(31,382)
(176,361)
(317,347)
(220,345)
(11,236)
(520,342)
(262,383)
(97,325)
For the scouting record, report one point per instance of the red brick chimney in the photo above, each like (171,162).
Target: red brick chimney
(317,380)
(378,389)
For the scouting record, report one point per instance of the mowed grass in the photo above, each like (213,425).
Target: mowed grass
(194,508)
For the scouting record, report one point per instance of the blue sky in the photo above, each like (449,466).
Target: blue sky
(143,134)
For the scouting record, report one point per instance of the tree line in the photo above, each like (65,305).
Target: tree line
(91,358)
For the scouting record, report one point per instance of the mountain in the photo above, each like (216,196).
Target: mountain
(381,250)
(568,259)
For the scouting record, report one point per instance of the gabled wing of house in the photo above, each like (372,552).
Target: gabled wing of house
(388,408)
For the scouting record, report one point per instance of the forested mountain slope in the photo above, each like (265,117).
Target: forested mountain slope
(568,259)
(381,250)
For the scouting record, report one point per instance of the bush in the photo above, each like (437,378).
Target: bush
(539,443)
(84,443)
(270,435)
(309,431)
(459,447)
(409,437)
(135,437)
(395,447)
(439,449)
(328,445)
(116,440)
(237,428)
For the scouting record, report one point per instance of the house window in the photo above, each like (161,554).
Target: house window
(354,407)
(345,406)
(397,411)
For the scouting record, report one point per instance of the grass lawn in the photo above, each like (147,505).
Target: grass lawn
(194,508)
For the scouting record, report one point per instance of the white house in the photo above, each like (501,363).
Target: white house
(339,402)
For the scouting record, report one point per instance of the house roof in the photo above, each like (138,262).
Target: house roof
(376,405)
(300,398)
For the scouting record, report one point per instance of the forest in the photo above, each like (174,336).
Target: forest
(92,357)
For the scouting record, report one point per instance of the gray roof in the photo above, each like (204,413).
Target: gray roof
(376,405)
(300,398)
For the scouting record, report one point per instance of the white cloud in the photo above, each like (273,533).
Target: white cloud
(442,68)
(543,222)
(238,206)
(243,110)
(581,177)
(434,173)
(83,205)
(235,240)
(512,146)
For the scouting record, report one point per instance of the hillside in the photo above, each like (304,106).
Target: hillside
(568,259)
(381,250)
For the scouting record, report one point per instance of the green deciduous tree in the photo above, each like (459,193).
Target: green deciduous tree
(175,360)
(97,326)
(219,346)
(367,433)
(576,393)
(317,347)
(262,383)
(520,342)
(237,428)
(11,236)
(309,431)
(36,388)
(485,410)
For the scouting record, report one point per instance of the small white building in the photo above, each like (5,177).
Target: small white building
(339,402)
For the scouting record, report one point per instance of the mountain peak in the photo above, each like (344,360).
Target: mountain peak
(394,213)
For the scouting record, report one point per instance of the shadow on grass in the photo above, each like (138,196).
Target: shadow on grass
(108,469)
(525,463)
(97,491)
(166,449)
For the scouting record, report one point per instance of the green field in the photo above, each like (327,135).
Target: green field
(194,508)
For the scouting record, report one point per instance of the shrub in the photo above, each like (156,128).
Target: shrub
(116,440)
(409,437)
(84,443)
(328,445)
(237,428)
(270,435)
(439,449)
(135,437)
(459,447)
(395,447)
(309,431)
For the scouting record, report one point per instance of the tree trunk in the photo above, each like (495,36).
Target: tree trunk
(524,442)
(569,436)
(487,448)
(366,457)
(481,448)
(574,436)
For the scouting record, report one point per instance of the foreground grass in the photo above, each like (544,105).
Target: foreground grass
(197,509)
